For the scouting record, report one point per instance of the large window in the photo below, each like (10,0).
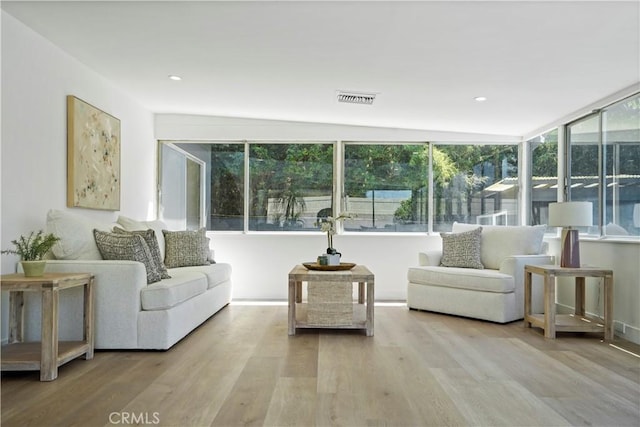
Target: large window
(385,187)
(604,167)
(475,184)
(290,185)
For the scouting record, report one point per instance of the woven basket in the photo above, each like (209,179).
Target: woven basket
(329,304)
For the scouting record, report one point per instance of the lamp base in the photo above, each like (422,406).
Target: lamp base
(570,248)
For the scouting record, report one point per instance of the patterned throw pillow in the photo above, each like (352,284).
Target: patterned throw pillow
(461,249)
(127,247)
(149,237)
(186,248)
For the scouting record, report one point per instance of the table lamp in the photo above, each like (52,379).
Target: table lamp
(568,215)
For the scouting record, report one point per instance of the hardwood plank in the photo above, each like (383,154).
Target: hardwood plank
(248,401)
(292,403)
(496,403)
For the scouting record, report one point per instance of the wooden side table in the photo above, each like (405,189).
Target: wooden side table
(359,274)
(48,354)
(578,322)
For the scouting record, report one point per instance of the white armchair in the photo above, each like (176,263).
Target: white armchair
(494,293)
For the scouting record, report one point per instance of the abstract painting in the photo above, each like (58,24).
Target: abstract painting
(93,157)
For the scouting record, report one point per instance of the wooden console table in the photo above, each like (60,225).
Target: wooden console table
(578,322)
(48,354)
(363,316)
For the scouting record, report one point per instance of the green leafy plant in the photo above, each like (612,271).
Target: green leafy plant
(33,247)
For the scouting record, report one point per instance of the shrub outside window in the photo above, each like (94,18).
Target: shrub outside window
(385,187)
(227,187)
(290,185)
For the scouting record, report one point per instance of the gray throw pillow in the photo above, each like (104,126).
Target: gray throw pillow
(127,247)
(462,249)
(149,237)
(186,248)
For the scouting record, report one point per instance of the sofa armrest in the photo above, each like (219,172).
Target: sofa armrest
(514,266)
(117,301)
(429,258)
(515,263)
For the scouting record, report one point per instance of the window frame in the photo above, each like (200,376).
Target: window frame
(565,174)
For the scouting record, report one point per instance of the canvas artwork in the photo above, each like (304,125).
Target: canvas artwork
(93,157)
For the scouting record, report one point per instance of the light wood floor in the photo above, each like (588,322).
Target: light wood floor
(420,369)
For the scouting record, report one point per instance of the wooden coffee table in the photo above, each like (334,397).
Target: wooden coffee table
(363,311)
(47,354)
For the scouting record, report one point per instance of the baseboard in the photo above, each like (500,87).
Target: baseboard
(620,329)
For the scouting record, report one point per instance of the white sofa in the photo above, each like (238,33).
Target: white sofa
(495,292)
(129,313)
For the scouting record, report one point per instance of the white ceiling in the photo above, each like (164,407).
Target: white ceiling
(534,61)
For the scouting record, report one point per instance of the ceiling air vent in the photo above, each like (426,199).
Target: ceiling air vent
(356,97)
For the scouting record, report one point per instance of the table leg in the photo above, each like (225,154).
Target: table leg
(608,308)
(549,306)
(293,285)
(88,333)
(527,298)
(49,342)
(360,292)
(370,304)
(579,303)
(298,292)
(16,317)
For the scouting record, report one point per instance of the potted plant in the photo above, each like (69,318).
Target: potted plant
(31,250)
(329,226)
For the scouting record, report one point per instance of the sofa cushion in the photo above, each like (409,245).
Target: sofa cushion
(149,237)
(76,235)
(186,248)
(215,273)
(461,249)
(157,226)
(462,278)
(501,241)
(132,247)
(170,292)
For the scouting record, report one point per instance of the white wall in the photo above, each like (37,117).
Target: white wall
(190,127)
(261,262)
(36,78)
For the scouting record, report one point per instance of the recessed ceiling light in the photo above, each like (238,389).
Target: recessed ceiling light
(480,98)
(176,78)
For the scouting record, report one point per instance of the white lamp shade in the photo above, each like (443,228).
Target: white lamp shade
(571,214)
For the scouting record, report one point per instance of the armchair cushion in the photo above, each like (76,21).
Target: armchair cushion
(461,249)
(462,278)
(499,242)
